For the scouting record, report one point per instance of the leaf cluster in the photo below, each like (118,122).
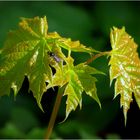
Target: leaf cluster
(33,52)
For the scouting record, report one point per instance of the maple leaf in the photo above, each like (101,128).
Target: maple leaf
(77,80)
(24,53)
(125,68)
(31,51)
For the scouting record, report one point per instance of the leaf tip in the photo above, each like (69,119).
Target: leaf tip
(103,73)
(64,119)
(98,101)
(125,115)
(100,105)
(116,94)
(66,116)
(39,104)
(14,87)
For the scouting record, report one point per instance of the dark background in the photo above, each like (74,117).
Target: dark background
(89,22)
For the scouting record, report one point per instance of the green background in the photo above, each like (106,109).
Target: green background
(89,22)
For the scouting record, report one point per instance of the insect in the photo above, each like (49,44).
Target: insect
(55,57)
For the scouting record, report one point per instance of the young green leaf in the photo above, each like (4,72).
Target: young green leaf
(25,53)
(77,79)
(125,68)
(31,51)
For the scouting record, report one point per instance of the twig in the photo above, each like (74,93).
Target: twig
(54,112)
(96,56)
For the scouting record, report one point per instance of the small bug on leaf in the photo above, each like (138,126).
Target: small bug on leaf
(55,57)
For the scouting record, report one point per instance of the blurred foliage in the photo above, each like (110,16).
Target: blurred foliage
(89,22)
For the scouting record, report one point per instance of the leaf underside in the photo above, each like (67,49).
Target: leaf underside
(31,51)
(125,68)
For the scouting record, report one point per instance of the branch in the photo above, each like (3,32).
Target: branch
(54,112)
(96,56)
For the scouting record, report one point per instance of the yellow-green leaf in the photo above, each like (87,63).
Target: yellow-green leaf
(87,80)
(77,80)
(74,93)
(125,67)
(31,51)
(26,52)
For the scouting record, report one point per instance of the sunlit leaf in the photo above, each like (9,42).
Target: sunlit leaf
(25,53)
(31,51)
(87,80)
(78,79)
(125,68)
